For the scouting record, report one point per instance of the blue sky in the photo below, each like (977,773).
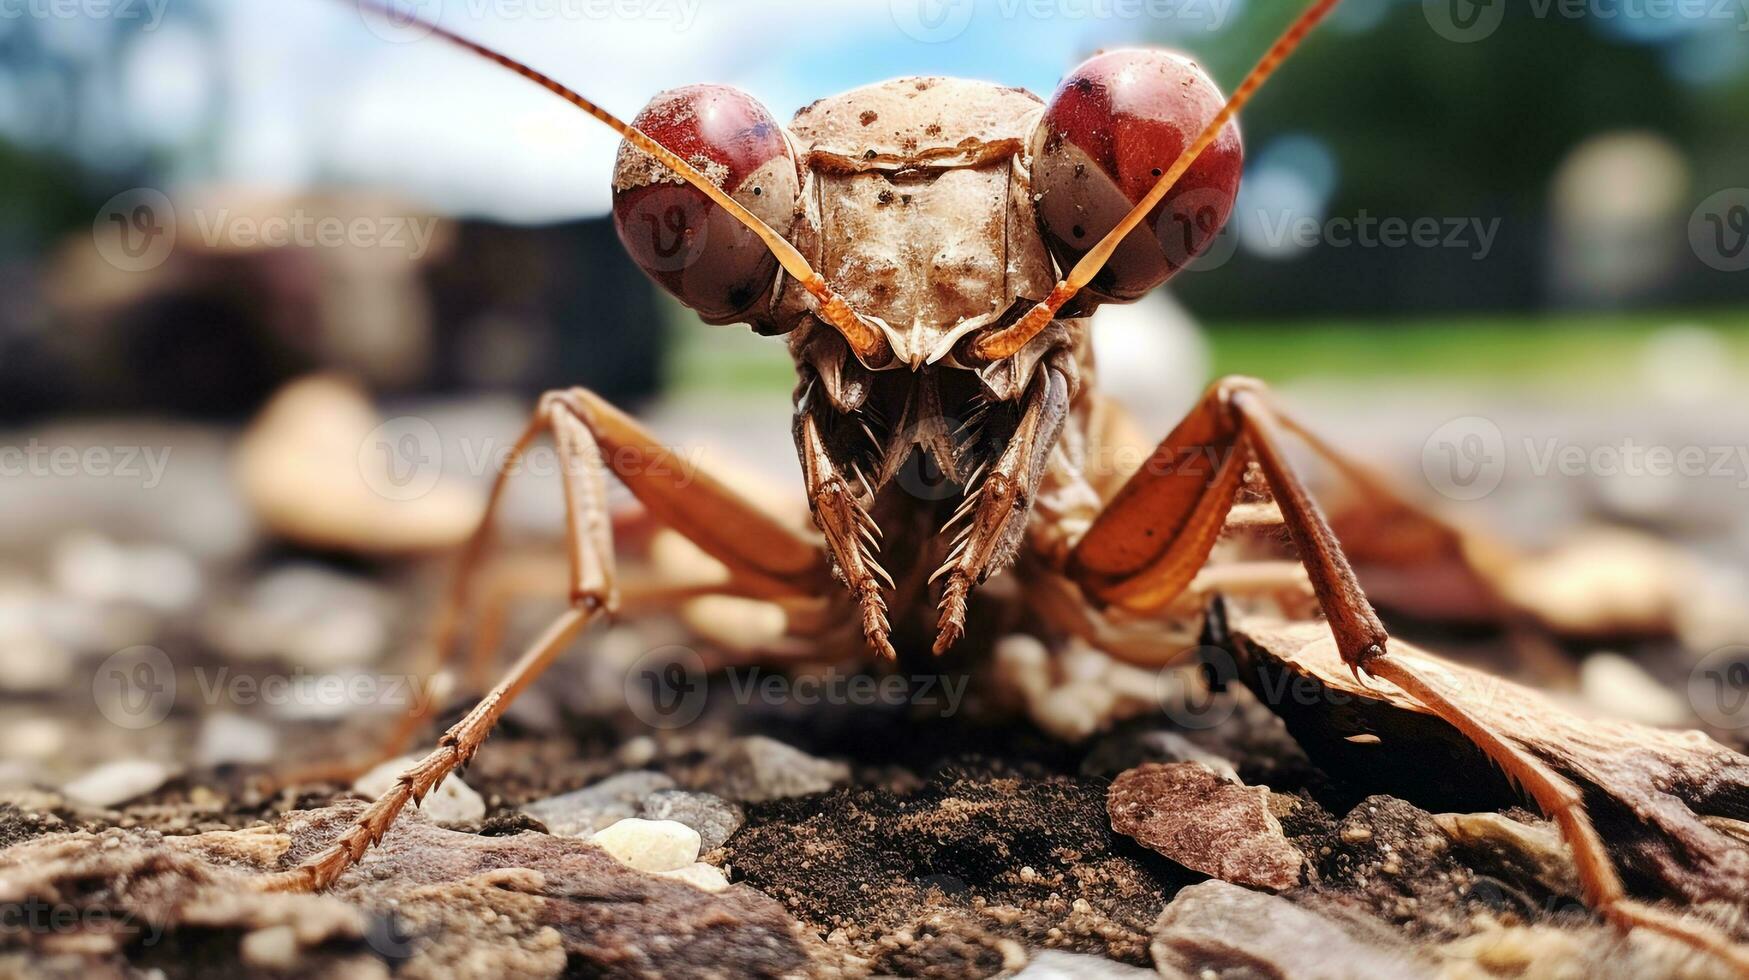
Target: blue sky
(320,94)
(323,95)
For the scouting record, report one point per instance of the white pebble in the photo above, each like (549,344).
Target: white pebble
(163,578)
(650,845)
(114,783)
(33,738)
(233,739)
(1023,664)
(1075,710)
(273,948)
(1620,687)
(452,801)
(699,875)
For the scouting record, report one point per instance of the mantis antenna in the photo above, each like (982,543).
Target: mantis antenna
(863,336)
(1009,340)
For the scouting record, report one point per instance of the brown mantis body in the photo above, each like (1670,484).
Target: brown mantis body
(907,238)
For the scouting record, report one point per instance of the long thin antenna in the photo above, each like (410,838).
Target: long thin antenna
(1009,340)
(863,336)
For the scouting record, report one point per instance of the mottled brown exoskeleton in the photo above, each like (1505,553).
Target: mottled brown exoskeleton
(932,250)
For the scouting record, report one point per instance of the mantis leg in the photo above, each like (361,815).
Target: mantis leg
(1148,543)
(764,556)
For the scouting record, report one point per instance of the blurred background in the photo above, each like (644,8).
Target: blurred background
(1509,238)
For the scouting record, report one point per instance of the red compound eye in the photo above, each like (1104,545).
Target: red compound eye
(1110,131)
(689,245)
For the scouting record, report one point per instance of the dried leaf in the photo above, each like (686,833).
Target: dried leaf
(1654,795)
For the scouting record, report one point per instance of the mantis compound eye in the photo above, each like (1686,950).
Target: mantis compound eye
(1112,129)
(687,244)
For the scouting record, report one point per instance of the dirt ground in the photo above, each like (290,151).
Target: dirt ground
(867,837)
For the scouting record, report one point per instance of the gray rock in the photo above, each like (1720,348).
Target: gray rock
(756,769)
(582,812)
(1232,931)
(115,783)
(1115,753)
(715,818)
(1055,964)
(305,614)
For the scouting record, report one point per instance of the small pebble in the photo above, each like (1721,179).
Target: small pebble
(650,845)
(637,752)
(32,738)
(699,875)
(756,769)
(598,806)
(715,818)
(1619,687)
(1055,964)
(228,739)
(1075,710)
(1023,663)
(1255,934)
(273,948)
(115,783)
(1188,813)
(452,801)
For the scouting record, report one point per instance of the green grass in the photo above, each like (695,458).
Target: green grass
(1565,349)
(1589,348)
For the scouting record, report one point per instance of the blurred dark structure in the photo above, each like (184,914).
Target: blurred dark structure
(213,333)
(546,307)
